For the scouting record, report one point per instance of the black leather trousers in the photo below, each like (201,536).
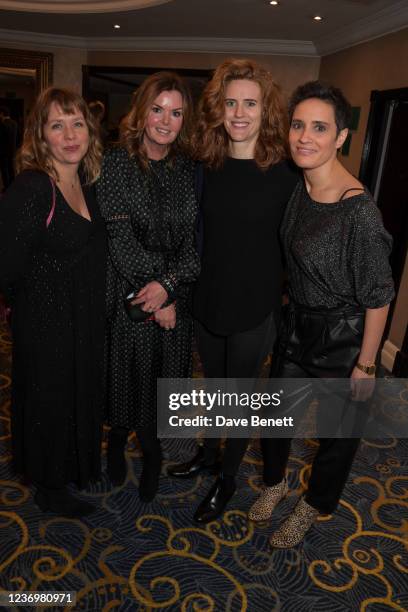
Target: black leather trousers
(323,344)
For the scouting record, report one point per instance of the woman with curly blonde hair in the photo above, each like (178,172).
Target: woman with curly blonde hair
(241,139)
(52,271)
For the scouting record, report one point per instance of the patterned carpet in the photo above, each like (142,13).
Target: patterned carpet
(130,557)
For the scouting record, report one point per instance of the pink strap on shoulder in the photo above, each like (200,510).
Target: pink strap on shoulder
(51,213)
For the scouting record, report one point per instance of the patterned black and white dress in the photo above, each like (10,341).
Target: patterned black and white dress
(150,216)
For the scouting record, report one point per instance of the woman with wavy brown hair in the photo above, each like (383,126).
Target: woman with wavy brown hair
(148,199)
(52,271)
(241,139)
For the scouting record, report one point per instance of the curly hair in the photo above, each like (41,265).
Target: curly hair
(326,93)
(133,125)
(34,153)
(211,141)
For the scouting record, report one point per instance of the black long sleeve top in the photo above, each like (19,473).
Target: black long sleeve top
(241,268)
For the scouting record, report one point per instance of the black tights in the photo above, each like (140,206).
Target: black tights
(238,355)
(147,437)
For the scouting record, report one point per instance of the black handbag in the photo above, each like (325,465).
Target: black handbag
(134,311)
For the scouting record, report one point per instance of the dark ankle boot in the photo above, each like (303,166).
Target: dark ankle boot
(116,460)
(199,463)
(60,501)
(214,503)
(149,478)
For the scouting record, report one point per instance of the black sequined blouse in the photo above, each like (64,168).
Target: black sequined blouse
(337,254)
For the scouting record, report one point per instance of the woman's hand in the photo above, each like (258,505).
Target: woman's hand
(152,296)
(166,317)
(362,385)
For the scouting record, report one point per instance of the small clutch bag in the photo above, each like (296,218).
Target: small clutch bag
(134,311)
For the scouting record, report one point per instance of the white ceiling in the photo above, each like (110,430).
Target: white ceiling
(246,26)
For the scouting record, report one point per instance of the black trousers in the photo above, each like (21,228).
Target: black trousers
(238,355)
(322,344)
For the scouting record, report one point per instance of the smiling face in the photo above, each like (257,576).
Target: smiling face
(313,136)
(243,113)
(66,135)
(163,123)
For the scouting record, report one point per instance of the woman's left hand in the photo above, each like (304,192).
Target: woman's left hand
(362,385)
(152,296)
(166,317)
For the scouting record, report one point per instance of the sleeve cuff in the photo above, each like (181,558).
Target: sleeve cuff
(169,285)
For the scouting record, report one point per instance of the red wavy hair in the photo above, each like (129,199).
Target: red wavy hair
(211,141)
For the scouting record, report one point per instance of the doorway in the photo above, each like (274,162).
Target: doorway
(384,170)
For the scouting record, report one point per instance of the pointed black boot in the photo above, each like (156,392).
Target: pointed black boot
(215,502)
(116,460)
(194,466)
(149,478)
(152,461)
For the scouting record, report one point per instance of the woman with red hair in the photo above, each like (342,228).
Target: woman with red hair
(241,139)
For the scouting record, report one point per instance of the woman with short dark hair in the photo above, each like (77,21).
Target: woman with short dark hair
(52,270)
(340,287)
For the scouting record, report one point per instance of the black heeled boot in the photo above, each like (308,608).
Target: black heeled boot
(60,501)
(152,463)
(214,503)
(116,460)
(199,463)
(149,478)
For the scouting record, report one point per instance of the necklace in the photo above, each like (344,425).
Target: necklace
(71,184)
(160,178)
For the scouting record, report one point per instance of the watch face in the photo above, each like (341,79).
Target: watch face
(367,369)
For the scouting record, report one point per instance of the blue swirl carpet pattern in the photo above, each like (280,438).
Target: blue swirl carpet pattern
(130,556)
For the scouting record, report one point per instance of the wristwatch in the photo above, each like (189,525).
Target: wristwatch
(368,368)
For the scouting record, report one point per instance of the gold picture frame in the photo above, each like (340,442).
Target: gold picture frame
(41,63)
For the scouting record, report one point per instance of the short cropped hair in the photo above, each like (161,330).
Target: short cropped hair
(211,141)
(132,126)
(326,93)
(34,153)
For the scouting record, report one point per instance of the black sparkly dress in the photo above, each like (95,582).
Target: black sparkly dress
(54,279)
(150,217)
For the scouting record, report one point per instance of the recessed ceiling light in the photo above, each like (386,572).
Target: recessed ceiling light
(116,26)
(317,18)
(274,2)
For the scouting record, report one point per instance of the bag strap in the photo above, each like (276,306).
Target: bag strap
(51,213)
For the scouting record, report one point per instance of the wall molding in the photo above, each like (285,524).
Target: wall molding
(383,22)
(388,355)
(253,46)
